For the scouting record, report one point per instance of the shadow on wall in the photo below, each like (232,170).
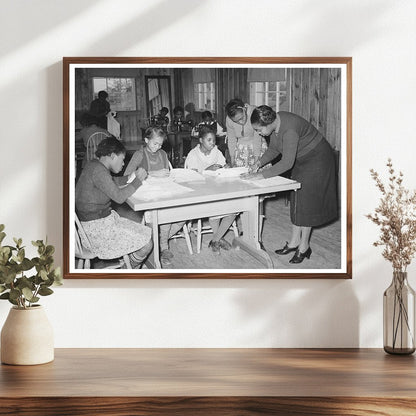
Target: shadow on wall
(157,18)
(137,29)
(41,16)
(301,314)
(329,15)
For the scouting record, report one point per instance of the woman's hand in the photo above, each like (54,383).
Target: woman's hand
(162,173)
(251,176)
(215,166)
(141,174)
(255,167)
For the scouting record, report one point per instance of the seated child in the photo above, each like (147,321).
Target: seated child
(160,119)
(208,120)
(155,162)
(221,135)
(110,235)
(179,121)
(206,156)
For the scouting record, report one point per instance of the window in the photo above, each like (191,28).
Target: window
(269,93)
(204,93)
(121,92)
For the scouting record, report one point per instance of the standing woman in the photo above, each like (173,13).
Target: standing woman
(110,235)
(245,145)
(311,158)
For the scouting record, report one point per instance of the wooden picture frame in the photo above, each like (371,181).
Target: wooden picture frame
(319,89)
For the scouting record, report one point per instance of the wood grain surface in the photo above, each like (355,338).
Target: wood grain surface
(212,382)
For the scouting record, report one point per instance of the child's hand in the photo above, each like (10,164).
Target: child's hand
(162,173)
(141,174)
(215,166)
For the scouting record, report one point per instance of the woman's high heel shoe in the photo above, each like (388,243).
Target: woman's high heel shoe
(286,249)
(299,257)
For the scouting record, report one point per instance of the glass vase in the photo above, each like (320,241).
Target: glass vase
(399,316)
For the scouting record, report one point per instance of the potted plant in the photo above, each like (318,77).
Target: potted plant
(396,217)
(27,336)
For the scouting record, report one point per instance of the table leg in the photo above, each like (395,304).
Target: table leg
(249,241)
(155,232)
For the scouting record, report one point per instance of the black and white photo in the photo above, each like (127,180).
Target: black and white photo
(207,167)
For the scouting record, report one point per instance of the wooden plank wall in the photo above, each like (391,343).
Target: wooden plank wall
(315,94)
(230,83)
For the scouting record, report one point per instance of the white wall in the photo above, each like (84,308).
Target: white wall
(380,35)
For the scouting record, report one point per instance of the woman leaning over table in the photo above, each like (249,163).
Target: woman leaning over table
(110,235)
(311,158)
(245,145)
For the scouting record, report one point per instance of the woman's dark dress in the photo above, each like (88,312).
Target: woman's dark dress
(311,158)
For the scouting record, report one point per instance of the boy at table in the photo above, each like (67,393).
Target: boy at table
(207,156)
(154,160)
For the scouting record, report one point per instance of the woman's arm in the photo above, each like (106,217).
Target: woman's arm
(231,138)
(103,180)
(290,148)
(134,163)
(272,151)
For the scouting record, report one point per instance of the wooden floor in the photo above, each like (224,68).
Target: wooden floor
(325,244)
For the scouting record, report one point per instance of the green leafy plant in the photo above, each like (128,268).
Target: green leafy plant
(15,285)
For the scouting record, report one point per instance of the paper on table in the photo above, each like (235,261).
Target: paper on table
(154,188)
(264,183)
(226,172)
(185,175)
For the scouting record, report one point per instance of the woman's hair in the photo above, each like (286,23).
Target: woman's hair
(234,106)
(204,130)
(108,146)
(263,115)
(178,109)
(102,94)
(206,114)
(154,132)
(164,109)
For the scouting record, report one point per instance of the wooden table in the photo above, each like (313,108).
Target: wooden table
(214,197)
(219,382)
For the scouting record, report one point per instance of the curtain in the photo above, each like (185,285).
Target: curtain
(266,74)
(178,96)
(153,88)
(164,92)
(202,75)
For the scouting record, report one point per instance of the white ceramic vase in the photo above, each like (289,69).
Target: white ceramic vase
(27,337)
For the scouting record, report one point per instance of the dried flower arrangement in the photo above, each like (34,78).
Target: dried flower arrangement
(396,216)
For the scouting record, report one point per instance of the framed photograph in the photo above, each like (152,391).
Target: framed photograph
(207,168)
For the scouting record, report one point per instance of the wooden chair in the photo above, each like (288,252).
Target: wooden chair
(84,254)
(92,143)
(206,229)
(184,234)
(181,234)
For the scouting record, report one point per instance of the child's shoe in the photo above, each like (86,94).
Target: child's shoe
(224,244)
(215,246)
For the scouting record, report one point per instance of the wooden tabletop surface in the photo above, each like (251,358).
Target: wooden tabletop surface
(214,372)
(241,378)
